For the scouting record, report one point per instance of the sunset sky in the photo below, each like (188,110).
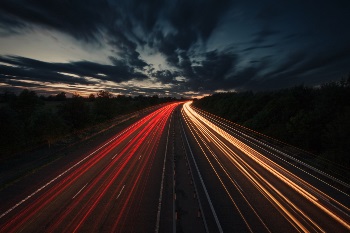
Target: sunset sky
(171,48)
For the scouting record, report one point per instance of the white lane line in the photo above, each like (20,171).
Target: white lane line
(54,179)
(238,185)
(162,183)
(80,191)
(203,185)
(114,156)
(140,157)
(120,191)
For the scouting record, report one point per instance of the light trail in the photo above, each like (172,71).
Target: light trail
(197,138)
(240,132)
(106,189)
(116,162)
(209,135)
(205,190)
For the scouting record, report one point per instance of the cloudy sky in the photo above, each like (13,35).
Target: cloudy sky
(172,47)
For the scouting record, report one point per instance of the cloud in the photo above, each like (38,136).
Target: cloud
(215,68)
(144,13)
(262,35)
(258,47)
(301,64)
(209,73)
(264,45)
(188,25)
(201,16)
(269,12)
(88,21)
(10,26)
(30,69)
(166,76)
(81,19)
(289,63)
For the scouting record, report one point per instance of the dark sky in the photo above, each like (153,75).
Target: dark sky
(174,47)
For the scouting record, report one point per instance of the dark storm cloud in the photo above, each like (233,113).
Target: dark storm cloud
(166,76)
(30,69)
(80,18)
(192,21)
(146,13)
(297,68)
(9,25)
(10,74)
(301,40)
(210,73)
(83,19)
(269,12)
(289,63)
(258,47)
(301,65)
(248,77)
(19,83)
(263,35)
(199,16)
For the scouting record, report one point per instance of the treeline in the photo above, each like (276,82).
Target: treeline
(28,120)
(314,119)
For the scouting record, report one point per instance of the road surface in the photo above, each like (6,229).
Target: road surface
(254,189)
(180,169)
(115,188)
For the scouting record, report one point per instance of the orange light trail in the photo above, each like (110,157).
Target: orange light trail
(208,134)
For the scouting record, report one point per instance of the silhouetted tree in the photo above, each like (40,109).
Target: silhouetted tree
(7,97)
(11,131)
(104,106)
(91,97)
(61,96)
(75,112)
(104,94)
(26,103)
(48,127)
(310,118)
(26,120)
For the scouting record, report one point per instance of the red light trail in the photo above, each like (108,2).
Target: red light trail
(96,192)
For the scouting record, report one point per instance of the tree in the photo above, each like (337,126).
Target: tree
(91,97)
(12,131)
(61,96)
(104,94)
(7,97)
(104,106)
(75,112)
(26,103)
(48,127)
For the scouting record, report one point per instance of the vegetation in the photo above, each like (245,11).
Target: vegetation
(315,119)
(28,121)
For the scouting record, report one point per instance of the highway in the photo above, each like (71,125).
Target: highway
(180,169)
(253,189)
(115,188)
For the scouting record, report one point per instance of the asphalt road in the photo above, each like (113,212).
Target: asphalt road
(254,189)
(178,169)
(115,188)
